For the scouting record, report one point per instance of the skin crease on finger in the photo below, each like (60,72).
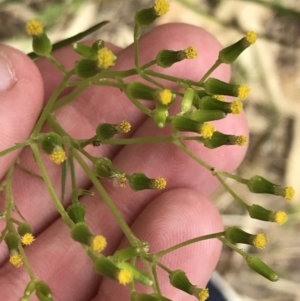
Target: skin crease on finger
(54,270)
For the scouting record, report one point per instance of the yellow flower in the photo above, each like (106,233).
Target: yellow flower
(289,193)
(219,97)
(160,183)
(280,217)
(99,243)
(243,91)
(161,7)
(260,240)
(207,130)
(125,276)
(16,259)
(251,37)
(241,140)
(165,96)
(236,107)
(106,58)
(124,127)
(191,52)
(58,156)
(203,294)
(27,239)
(34,27)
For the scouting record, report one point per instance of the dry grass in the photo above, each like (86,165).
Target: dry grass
(272,69)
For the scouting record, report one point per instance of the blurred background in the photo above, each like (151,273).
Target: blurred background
(271,68)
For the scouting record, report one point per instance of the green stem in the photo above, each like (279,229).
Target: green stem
(73,176)
(54,61)
(210,71)
(50,188)
(232,176)
(155,278)
(113,209)
(149,64)
(164,267)
(15,147)
(136,46)
(233,246)
(50,104)
(27,263)
(127,141)
(188,242)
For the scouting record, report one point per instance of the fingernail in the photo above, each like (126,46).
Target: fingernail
(6,74)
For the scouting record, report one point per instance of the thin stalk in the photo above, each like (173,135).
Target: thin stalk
(15,147)
(27,263)
(210,71)
(233,246)
(136,46)
(54,61)
(232,176)
(73,176)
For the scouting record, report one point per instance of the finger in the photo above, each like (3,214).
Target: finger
(172,218)
(21,94)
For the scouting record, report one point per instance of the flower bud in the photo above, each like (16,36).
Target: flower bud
(106,131)
(97,45)
(76,212)
(30,288)
(25,231)
(84,50)
(12,241)
(260,213)
(104,266)
(49,142)
(258,184)
(86,68)
(187,100)
(147,16)
(210,103)
(139,181)
(103,168)
(216,86)
(201,294)
(256,264)
(229,54)
(179,280)
(160,117)
(127,253)
(236,235)
(206,115)
(43,291)
(81,233)
(219,139)
(138,90)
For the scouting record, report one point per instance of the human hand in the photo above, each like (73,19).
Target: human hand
(163,218)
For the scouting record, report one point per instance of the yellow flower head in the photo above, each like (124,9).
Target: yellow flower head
(58,156)
(124,127)
(260,240)
(99,243)
(243,91)
(289,193)
(120,179)
(280,217)
(207,130)
(161,7)
(160,183)
(125,276)
(27,239)
(236,107)
(106,58)
(241,140)
(191,52)
(165,96)
(34,27)
(219,97)
(203,294)
(251,37)
(16,260)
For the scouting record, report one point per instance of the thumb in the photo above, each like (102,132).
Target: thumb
(21,99)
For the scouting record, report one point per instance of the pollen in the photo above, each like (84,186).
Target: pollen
(124,127)
(203,294)
(219,97)
(191,52)
(165,96)
(260,240)
(289,193)
(243,91)
(58,156)
(241,140)
(207,130)
(161,7)
(160,183)
(251,37)
(99,243)
(236,107)
(106,58)
(16,260)
(125,276)
(280,217)
(27,239)
(34,27)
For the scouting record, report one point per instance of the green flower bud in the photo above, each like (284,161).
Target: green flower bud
(229,54)
(138,90)
(24,228)
(201,294)
(24,299)
(147,297)
(50,142)
(104,266)
(166,58)
(256,264)
(41,45)
(86,68)
(43,291)
(30,288)
(139,181)
(97,45)
(187,100)
(103,168)
(76,212)
(106,131)
(126,253)
(258,184)
(85,51)
(81,233)
(236,235)
(160,117)
(216,86)
(206,115)
(179,280)
(12,240)
(260,213)
(210,103)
